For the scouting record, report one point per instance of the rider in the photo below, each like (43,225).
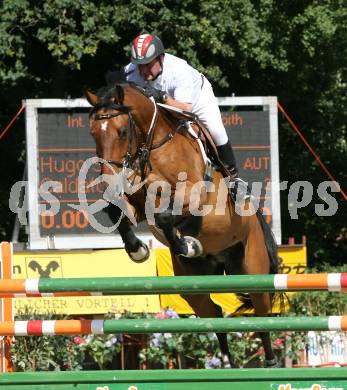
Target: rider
(173,81)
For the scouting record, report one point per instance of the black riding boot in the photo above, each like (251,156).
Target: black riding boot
(239,189)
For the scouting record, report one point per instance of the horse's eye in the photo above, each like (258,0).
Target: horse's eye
(123,133)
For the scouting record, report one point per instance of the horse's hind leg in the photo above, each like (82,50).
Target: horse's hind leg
(262,307)
(203,306)
(257,262)
(181,246)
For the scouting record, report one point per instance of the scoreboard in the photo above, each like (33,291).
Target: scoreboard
(254,136)
(59,142)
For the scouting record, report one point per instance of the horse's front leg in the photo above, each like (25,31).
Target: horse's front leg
(137,250)
(180,245)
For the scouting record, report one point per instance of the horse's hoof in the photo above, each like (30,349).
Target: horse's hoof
(273,363)
(194,247)
(141,255)
(227,363)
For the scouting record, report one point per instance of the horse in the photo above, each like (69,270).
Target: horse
(182,204)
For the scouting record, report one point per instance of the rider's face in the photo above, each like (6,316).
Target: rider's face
(151,70)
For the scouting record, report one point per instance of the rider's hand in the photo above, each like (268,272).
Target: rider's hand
(158,95)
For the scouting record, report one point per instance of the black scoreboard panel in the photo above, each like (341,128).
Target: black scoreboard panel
(64,143)
(249,133)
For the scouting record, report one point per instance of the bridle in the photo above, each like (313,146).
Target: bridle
(129,159)
(141,155)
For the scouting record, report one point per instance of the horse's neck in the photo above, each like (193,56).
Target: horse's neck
(142,109)
(148,118)
(180,149)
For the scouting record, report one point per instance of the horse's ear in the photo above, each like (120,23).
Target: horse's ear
(119,98)
(92,99)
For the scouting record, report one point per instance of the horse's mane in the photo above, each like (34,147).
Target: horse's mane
(112,97)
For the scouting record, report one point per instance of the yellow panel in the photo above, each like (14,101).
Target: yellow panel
(294,259)
(88,305)
(79,264)
(75,264)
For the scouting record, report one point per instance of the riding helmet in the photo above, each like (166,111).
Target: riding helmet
(145,48)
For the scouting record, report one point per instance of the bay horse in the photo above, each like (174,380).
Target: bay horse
(131,131)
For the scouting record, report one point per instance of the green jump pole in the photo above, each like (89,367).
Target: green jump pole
(206,325)
(161,285)
(178,284)
(188,325)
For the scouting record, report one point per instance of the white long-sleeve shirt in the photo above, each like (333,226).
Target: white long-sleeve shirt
(178,79)
(185,84)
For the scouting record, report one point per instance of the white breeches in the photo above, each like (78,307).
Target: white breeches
(206,108)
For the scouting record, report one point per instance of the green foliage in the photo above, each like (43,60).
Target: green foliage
(194,350)
(102,349)
(68,30)
(45,353)
(314,303)
(312,92)
(320,303)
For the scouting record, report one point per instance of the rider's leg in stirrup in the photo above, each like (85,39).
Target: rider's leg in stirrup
(240,188)
(206,108)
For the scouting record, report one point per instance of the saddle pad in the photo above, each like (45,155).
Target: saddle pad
(178,113)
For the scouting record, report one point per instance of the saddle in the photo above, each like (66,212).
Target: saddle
(201,132)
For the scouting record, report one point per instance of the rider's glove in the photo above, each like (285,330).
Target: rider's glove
(158,95)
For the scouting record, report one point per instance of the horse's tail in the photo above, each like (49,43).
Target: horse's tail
(272,249)
(271,246)
(270,243)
